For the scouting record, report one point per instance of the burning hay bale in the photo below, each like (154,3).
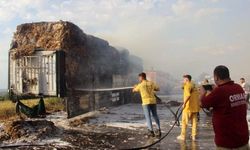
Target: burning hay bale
(55,58)
(90,61)
(49,36)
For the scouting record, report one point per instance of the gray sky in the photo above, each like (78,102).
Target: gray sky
(176,36)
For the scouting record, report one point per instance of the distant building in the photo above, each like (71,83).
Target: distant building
(151,75)
(166,82)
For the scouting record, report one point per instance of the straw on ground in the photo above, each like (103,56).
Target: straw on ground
(7,107)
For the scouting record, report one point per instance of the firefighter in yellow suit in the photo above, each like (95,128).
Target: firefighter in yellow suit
(191,107)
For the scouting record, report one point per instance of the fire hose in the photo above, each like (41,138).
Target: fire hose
(177,117)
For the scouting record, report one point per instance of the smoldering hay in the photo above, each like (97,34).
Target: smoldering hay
(88,59)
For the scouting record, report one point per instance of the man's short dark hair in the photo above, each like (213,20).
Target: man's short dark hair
(242,79)
(189,77)
(143,75)
(222,72)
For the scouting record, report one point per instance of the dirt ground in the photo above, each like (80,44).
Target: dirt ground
(120,127)
(43,134)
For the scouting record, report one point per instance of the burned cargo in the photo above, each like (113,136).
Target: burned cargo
(51,57)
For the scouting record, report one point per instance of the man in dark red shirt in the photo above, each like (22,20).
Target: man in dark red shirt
(229,111)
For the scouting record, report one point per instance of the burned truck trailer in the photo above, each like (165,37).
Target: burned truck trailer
(42,72)
(54,58)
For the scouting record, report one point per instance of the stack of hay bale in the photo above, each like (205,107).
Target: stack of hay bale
(89,60)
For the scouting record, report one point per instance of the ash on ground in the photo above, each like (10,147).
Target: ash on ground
(114,128)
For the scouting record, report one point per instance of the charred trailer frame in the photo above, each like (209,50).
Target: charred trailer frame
(43,72)
(82,101)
